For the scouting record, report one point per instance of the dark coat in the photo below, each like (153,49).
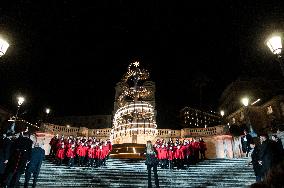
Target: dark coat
(254,159)
(151,159)
(20,154)
(38,155)
(246,141)
(280,151)
(5,151)
(267,155)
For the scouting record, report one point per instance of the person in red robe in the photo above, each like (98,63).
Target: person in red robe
(91,155)
(170,156)
(60,154)
(81,153)
(70,154)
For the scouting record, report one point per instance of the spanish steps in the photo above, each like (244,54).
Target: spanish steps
(133,173)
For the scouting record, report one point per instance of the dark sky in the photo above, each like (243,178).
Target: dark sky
(68,55)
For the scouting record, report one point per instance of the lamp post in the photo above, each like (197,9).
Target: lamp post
(20,102)
(222,113)
(4,45)
(47,111)
(274,43)
(245,102)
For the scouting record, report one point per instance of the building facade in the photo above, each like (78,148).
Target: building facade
(194,118)
(265,117)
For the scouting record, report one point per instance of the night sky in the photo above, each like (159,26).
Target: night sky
(68,55)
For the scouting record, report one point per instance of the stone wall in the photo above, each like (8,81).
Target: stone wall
(219,143)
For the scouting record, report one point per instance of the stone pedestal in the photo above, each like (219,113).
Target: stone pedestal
(219,146)
(44,139)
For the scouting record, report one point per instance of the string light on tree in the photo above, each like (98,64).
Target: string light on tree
(135,115)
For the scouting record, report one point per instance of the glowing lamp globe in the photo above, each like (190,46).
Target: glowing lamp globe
(47,110)
(274,43)
(4,45)
(20,100)
(222,113)
(245,101)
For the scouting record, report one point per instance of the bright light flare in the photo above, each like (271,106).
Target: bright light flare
(4,45)
(47,110)
(255,102)
(275,44)
(20,100)
(245,101)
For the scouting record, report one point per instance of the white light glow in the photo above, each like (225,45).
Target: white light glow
(275,45)
(4,45)
(47,110)
(245,101)
(20,100)
(255,102)
(222,113)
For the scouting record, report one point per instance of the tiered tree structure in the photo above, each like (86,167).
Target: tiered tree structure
(134,119)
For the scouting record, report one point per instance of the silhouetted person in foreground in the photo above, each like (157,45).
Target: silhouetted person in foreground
(5,151)
(151,162)
(267,154)
(273,179)
(20,155)
(279,148)
(254,160)
(38,155)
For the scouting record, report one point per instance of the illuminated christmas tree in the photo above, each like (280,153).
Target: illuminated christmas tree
(134,118)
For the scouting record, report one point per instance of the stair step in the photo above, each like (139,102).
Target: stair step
(133,173)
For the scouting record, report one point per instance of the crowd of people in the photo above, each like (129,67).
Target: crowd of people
(20,154)
(179,154)
(265,153)
(171,154)
(79,151)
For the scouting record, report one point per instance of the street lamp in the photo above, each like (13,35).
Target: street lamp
(47,111)
(274,43)
(20,102)
(4,45)
(245,102)
(222,113)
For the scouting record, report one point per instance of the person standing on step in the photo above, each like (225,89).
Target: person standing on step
(246,139)
(70,154)
(279,148)
(266,154)
(33,167)
(53,146)
(151,162)
(60,154)
(254,161)
(5,150)
(202,148)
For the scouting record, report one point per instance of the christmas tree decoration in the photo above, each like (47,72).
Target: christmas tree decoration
(134,120)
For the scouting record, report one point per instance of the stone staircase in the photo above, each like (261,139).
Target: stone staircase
(132,173)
